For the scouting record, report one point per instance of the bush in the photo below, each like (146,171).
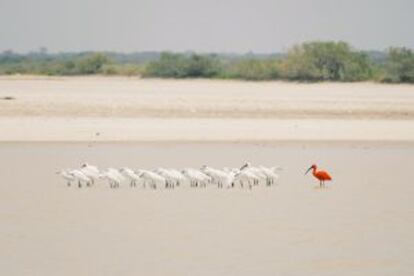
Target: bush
(181,66)
(311,61)
(252,69)
(91,64)
(317,61)
(399,66)
(122,69)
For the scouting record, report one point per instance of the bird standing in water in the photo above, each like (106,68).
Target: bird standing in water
(322,176)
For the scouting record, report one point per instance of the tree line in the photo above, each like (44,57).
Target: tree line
(306,62)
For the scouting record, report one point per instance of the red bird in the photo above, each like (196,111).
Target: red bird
(322,176)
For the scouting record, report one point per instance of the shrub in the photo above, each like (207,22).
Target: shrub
(91,64)
(181,66)
(334,61)
(399,66)
(252,69)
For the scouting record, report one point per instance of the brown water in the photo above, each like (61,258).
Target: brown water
(362,224)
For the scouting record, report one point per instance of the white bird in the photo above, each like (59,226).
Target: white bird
(131,175)
(80,176)
(178,176)
(246,177)
(152,178)
(114,177)
(170,180)
(67,176)
(219,177)
(90,171)
(261,176)
(196,177)
(271,176)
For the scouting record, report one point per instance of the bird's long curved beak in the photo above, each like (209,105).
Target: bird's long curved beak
(308,170)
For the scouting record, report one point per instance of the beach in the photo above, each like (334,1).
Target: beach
(360,224)
(117,97)
(133,109)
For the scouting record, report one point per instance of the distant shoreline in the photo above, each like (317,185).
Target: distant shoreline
(139,77)
(311,61)
(134,109)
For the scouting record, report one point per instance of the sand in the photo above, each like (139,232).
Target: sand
(206,130)
(133,97)
(133,109)
(362,224)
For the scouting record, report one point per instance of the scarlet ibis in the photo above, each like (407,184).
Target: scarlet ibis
(322,176)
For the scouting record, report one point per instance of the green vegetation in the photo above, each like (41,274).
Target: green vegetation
(310,61)
(400,66)
(326,61)
(181,66)
(252,69)
(63,64)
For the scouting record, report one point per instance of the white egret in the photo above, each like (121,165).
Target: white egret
(67,176)
(218,177)
(271,176)
(152,178)
(113,176)
(131,175)
(246,177)
(80,176)
(90,171)
(196,177)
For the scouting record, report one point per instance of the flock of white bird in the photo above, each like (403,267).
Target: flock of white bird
(247,176)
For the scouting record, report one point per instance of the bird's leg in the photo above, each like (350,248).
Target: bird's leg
(320,183)
(68,183)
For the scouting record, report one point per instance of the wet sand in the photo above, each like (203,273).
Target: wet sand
(362,224)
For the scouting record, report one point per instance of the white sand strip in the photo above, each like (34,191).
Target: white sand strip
(76,97)
(152,129)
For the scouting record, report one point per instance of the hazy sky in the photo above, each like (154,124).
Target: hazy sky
(202,25)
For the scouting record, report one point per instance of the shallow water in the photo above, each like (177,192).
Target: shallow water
(362,224)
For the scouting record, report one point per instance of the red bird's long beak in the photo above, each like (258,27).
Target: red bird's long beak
(308,170)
